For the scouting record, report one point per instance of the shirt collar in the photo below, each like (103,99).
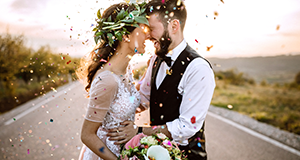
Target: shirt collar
(177,50)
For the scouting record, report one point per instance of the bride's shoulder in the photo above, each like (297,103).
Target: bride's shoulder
(104,77)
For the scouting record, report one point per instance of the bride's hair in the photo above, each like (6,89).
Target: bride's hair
(91,63)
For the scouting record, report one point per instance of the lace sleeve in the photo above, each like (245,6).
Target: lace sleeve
(102,92)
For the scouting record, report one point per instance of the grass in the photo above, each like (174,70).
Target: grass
(24,92)
(275,105)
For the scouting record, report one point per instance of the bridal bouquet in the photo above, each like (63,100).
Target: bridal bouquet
(155,147)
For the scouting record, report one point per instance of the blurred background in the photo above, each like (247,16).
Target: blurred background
(254,47)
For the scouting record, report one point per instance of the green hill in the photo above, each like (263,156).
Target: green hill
(275,69)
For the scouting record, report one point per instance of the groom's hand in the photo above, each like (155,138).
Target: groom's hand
(123,134)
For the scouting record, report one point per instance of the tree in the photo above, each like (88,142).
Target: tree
(12,53)
(297,78)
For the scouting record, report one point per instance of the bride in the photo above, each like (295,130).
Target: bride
(113,99)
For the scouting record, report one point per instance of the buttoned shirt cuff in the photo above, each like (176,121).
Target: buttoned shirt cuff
(145,101)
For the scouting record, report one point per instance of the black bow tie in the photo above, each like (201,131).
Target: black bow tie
(168,60)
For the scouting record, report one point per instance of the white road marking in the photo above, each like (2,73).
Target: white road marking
(17,117)
(256,134)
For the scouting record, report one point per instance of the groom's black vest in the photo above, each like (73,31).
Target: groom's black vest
(165,101)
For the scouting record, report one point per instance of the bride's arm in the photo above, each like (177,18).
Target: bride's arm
(91,140)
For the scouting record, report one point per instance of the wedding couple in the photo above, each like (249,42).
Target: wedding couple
(177,87)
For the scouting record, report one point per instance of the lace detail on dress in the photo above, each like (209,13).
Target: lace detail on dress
(122,108)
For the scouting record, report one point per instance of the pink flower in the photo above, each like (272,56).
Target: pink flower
(124,158)
(167,143)
(135,141)
(135,158)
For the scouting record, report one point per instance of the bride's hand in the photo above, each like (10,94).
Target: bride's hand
(123,134)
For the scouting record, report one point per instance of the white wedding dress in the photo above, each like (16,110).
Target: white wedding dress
(123,98)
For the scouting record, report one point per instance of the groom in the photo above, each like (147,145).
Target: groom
(179,83)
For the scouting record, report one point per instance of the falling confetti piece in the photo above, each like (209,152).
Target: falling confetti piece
(199,144)
(14,119)
(216,13)
(222,1)
(182,62)
(162,127)
(27,151)
(131,98)
(196,41)
(30,131)
(208,48)
(229,106)
(135,50)
(160,105)
(277,28)
(101,149)
(193,120)
(51,120)
(103,60)
(169,72)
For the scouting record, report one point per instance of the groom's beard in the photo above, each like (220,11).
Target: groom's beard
(164,45)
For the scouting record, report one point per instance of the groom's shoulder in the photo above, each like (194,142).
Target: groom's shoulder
(195,57)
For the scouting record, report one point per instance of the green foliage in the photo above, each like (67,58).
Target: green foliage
(109,31)
(25,72)
(234,77)
(137,74)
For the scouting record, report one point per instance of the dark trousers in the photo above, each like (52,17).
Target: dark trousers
(195,150)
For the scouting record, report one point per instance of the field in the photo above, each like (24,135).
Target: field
(275,105)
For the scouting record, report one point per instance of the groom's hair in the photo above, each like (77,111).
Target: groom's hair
(168,10)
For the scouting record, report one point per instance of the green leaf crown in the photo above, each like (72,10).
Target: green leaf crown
(109,31)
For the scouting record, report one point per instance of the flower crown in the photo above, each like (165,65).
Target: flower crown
(109,31)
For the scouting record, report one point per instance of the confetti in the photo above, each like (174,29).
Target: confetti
(162,117)
(196,41)
(135,50)
(277,28)
(101,149)
(151,8)
(208,48)
(216,13)
(131,98)
(51,120)
(193,120)
(160,105)
(14,119)
(229,106)
(182,62)
(162,127)
(222,1)
(27,151)
(103,60)
(199,144)
(169,72)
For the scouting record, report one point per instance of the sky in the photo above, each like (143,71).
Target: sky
(235,28)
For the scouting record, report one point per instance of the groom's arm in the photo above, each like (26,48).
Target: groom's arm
(196,87)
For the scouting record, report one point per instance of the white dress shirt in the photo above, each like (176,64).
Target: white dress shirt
(196,87)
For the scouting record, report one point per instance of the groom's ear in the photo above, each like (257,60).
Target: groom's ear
(175,26)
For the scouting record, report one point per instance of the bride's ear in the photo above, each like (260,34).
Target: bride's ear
(126,38)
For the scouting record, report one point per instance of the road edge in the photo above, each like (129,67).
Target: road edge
(277,134)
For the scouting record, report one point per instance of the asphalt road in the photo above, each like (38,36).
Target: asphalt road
(52,131)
